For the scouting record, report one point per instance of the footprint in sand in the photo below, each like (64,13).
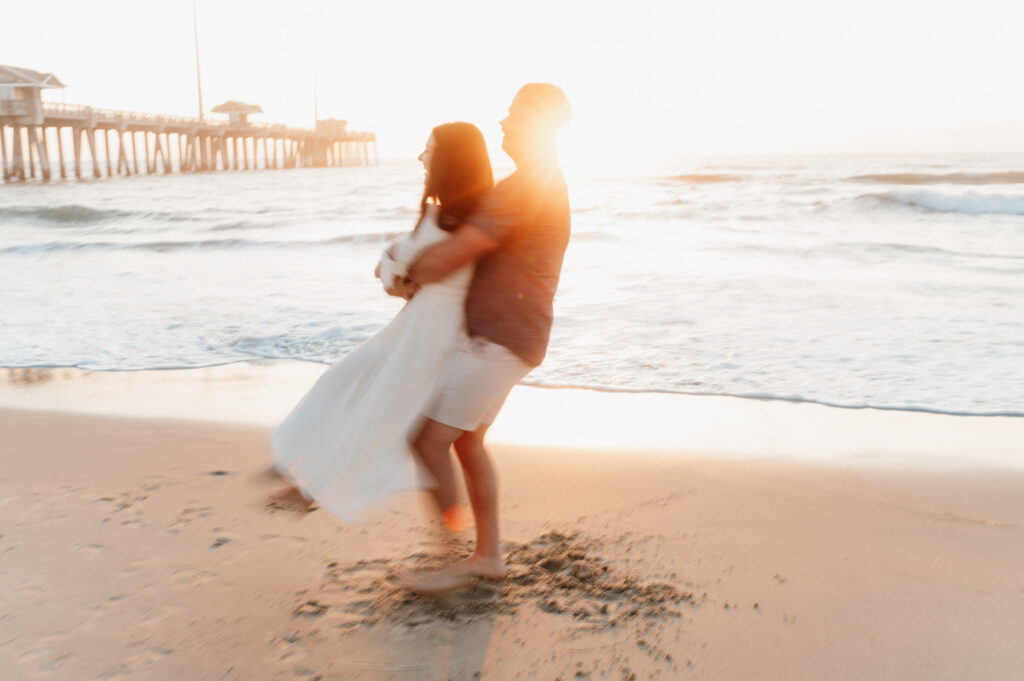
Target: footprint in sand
(562,575)
(119,672)
(229,550)
(90,550)
(192,577)
(30,588)
(41,660)
(145,653)
(293,539)
(187,515)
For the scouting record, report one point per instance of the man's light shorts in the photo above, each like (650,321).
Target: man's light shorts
(475,384)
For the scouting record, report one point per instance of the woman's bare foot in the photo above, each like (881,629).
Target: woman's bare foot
(452,577)
(292,497)
(271,473)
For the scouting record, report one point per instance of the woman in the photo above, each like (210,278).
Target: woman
(345,445)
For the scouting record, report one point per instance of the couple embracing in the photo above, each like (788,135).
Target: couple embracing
(480,271)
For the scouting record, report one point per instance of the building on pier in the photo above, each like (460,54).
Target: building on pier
(238,112)
(331,126)
(31,128)
(21,90)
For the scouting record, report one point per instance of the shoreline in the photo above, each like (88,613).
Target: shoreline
(36,374)
(263,392)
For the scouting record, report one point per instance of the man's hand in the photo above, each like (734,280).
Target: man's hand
(404,288)
(436,262)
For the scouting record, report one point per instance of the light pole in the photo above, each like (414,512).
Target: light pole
(199,83)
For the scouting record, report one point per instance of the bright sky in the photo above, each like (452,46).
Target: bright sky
(649,77)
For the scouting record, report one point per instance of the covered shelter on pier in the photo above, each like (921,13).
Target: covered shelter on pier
(238,112)
(21,91)
(21,83)
(332,126)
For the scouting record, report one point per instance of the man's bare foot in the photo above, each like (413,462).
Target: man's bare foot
(292,498)
(456,576)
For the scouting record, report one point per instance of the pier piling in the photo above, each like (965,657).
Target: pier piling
(18,160)
(30,147)
(135,153)
(76,148)
(42,151)
(3,152)
(60,154)
(106,150)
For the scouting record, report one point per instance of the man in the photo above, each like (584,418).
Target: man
(518,237)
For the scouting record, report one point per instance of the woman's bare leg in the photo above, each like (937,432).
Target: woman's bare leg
(432,446)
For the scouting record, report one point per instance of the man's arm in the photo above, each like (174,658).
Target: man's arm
(436,262)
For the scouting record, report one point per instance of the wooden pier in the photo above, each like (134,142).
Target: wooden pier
(135,143)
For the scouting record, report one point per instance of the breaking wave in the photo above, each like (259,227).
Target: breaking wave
(968,203)
(73,213)
(199,244)
(1007,177)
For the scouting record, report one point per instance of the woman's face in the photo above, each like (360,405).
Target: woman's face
(428,153)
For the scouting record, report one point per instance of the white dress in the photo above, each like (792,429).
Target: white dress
(346,443)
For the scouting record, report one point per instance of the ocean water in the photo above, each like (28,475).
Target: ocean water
(886,281)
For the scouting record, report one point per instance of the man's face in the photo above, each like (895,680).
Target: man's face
(516,128)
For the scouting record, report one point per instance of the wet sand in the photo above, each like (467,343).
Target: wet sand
(141,548)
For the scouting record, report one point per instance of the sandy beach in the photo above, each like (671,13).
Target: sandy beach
(748,274)
(135,547)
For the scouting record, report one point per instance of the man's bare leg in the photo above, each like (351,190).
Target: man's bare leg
(482,486)
(432,446)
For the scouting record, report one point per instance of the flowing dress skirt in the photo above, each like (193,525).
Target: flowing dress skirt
(346,444)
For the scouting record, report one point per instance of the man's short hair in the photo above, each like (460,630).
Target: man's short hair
(549,103)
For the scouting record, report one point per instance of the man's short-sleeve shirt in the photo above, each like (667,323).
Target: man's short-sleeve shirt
(511,297)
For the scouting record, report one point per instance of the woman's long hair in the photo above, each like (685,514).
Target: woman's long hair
(459,174)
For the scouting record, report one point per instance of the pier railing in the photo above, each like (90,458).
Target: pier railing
(18,107)
(78,111)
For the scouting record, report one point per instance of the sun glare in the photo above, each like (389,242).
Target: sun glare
(661,78)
